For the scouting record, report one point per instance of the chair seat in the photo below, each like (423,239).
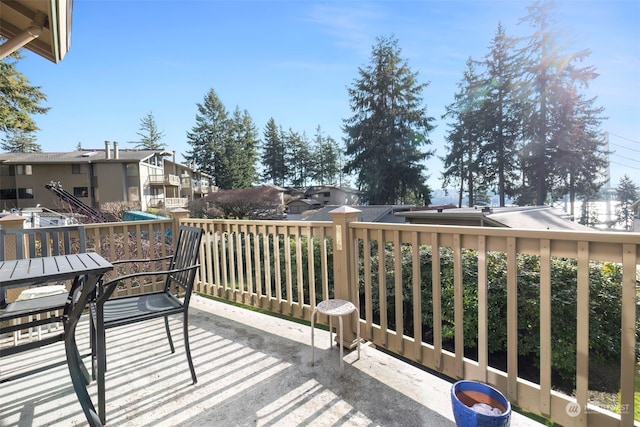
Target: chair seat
(34,306)
(119,311)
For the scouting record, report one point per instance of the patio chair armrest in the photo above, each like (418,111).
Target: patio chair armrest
(123,261)
(107,288)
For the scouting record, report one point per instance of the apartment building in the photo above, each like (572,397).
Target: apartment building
(152,178)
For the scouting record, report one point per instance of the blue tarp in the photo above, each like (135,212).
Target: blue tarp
(140,216)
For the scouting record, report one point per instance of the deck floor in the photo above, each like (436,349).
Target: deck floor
(253,370)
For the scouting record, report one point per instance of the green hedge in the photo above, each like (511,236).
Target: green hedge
(604,316)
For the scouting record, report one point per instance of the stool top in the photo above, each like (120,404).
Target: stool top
(336,307)
(41,291)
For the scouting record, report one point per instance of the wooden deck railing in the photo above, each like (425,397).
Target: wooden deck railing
(287,267)
(407,305)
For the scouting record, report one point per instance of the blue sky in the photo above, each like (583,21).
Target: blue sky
(294,59)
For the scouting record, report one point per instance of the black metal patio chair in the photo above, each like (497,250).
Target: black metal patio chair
(110,312)
(41,305)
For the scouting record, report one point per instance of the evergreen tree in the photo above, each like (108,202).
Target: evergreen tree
(274,156)
(299,159)
(388,128)
(19,100)
(463,162)
(627,193)
(208,137)
(553,75)
(502,118)
(580,157)
(149,134)
(326,156)
(240,152)
(18,141)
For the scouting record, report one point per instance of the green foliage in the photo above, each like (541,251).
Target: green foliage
(150,136)
(627,193)
(388,128)
(18,141)
(604,310)
(19,100)
(222,146)
(274,154)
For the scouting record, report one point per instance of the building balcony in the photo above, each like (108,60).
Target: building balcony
(254,369)
(168,202)
(162,180)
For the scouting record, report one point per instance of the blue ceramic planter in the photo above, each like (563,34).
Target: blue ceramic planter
(465,394)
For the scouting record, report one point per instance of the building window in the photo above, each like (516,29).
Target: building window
(8,194)
(23,170)
(7,170)
(80,192)
(25,193)
(78,169)
(132,169)
(133,194)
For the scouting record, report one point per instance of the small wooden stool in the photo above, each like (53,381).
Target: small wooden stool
(335,308)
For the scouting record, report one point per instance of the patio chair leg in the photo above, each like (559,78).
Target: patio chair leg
(102,368)
(166,326)
(187,348)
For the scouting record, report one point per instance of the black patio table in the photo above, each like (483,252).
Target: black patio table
(88,266)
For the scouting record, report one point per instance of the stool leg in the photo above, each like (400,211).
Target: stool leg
(358,330)
(340,342)
(313,315)
(330,333)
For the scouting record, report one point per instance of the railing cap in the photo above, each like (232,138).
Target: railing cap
(344,210)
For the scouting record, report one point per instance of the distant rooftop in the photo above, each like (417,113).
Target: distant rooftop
(529,217)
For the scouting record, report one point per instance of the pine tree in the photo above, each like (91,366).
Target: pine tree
(274,156)
(299,159)
(627,193)
(326,154)
(553,76)
(463,162)
(240,152)
(388,128)
(19,100)
(207,137)
(18,141)
(149,134)
(503,113)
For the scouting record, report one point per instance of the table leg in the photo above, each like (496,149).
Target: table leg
(78,377)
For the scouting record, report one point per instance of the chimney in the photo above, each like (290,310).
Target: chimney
(116,152)
(107,150)
(175,165)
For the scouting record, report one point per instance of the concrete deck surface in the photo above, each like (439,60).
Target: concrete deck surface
(253,370)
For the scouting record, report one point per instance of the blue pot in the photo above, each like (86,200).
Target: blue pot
(465,394)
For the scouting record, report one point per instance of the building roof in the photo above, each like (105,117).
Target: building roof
(81,156)
(527,217)
(42,26)
(322,188)
(376,213)
(308,202)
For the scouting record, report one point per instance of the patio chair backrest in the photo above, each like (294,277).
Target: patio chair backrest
(40,242)
(45,241)
(186,253)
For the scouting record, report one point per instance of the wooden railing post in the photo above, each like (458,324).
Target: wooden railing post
(11,222)
(178,214)
(344,270)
